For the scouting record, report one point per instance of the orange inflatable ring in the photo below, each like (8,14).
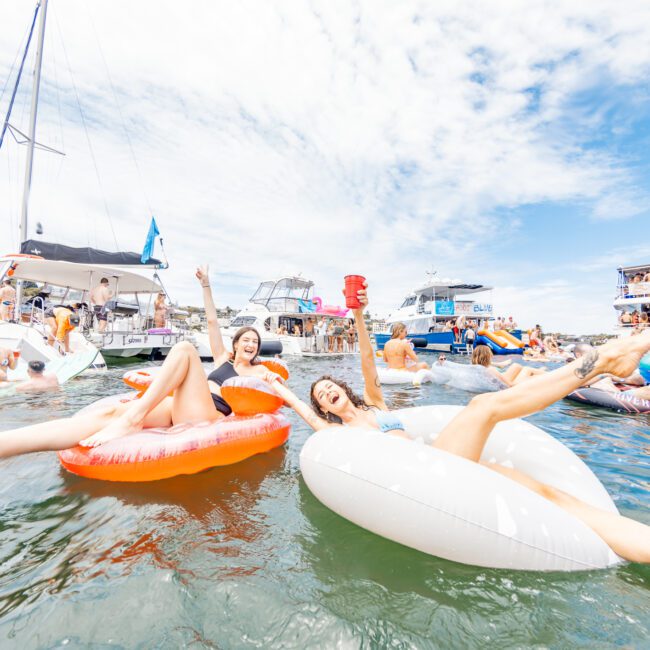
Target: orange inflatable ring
(138,379)
(250,395)
(277,366)
(155,454)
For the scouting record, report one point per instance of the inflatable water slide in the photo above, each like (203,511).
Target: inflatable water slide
(500,342)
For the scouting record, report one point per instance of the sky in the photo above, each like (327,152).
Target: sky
(501,143)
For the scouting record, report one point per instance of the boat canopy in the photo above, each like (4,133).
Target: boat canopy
(444,289)
(81,277)
(283,294)
(86,255)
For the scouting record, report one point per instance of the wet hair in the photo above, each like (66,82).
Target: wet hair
(352,396)
(103,281)
(581,349)
(482,356)
(36,366)
(238,334)
(396,330)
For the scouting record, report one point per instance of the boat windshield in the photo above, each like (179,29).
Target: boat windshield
(283,295)
(243,321)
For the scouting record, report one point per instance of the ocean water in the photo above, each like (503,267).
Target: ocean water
(245,557)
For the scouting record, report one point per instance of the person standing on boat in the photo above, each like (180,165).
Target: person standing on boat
(7,301)
(159,311)
(61,321)
(99,296)
(398,352)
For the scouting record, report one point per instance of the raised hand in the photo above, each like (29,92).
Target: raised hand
(202,275)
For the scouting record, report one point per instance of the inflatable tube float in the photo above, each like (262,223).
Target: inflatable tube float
(623,402)
(644,367)
(155,454)
(447,506)
(472,378)
(392,376)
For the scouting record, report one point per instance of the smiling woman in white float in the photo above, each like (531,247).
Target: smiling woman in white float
(489,490)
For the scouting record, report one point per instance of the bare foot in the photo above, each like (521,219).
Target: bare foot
(124,425)
(620,357)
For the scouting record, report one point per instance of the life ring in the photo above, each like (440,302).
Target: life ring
(450,507)
(155,454)
(470,377)
(277,366)
(623,402)
(393,376)
(250,395)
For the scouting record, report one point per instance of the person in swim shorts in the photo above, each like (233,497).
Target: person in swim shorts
(398,351)
(7,300)
(333,402)
(61,321)
(99,296)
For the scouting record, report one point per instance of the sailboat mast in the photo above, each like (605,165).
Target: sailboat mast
(32,123)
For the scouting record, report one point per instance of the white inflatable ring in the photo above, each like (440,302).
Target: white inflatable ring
(450,507)
(392,376)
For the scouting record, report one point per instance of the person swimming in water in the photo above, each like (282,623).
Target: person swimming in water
(333,402)
(398,351)
(514,374)
(38,381)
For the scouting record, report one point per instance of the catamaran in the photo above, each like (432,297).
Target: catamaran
(427,310)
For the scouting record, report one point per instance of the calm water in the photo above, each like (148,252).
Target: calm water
(244,556)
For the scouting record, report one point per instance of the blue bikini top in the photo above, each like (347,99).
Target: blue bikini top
(388,421)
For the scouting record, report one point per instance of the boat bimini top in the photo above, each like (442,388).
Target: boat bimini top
(71,275)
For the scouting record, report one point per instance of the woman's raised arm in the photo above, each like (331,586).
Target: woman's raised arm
(372,389)
(218,349)
(301,408)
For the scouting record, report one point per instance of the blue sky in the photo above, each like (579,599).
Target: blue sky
(501,142)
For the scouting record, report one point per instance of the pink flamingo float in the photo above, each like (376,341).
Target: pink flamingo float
(329,310)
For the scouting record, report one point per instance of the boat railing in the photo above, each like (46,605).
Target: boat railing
(323,344)
(634,290)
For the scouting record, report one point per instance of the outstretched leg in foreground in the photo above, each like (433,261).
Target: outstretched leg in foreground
(468,432)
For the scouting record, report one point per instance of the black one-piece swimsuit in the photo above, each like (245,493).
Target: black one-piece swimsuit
(225,371)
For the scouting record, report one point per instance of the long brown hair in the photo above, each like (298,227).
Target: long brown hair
(482,356)
(352,396)
(238,334)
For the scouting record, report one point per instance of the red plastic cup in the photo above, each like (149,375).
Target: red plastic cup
(353,283)
(16,354)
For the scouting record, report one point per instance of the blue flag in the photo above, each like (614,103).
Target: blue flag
(147,251)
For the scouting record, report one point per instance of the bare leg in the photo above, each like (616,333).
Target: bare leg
(468,432)
(182,373)
(628,538)
(67,432)
(527,373)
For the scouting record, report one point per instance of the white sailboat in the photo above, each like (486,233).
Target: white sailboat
(74,273)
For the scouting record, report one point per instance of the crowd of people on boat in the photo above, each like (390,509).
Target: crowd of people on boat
(638,319)
(334,335)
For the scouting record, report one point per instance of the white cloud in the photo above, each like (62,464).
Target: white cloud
(324,137)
